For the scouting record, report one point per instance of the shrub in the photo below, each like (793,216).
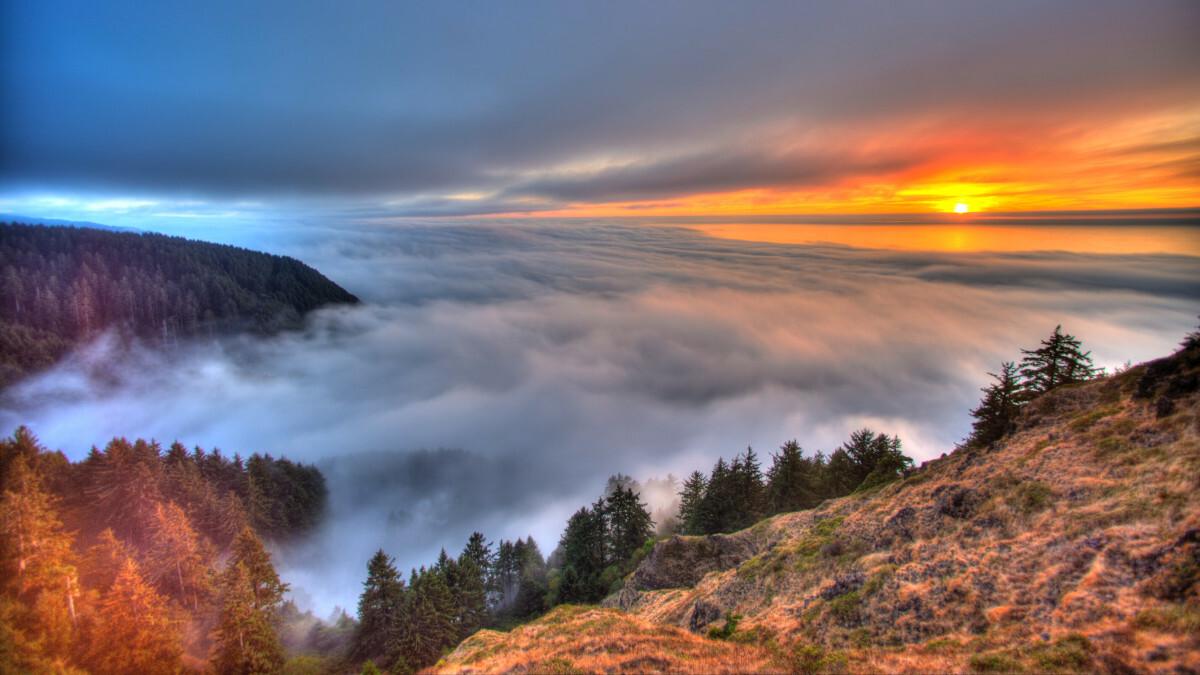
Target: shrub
(812,659)
(994,662)
(1072,652)
(845,609)
(725,632)
(1032,496)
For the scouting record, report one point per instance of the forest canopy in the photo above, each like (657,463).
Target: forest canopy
(60,286)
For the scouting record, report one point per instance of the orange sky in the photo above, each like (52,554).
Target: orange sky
(1132,162)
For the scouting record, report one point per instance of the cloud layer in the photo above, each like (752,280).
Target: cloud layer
(497,374)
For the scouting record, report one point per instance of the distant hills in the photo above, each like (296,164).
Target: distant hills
(61,286)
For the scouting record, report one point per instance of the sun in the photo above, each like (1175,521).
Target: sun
(962,207)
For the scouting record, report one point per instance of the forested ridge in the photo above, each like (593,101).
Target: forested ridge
(60,286)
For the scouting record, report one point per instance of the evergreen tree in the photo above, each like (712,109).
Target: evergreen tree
(583,544)
(245,640)
(470,588)
(265,584)
(791,485)
(691,500)
(997,412)
(178,560)
(37,557)
(1060,360)
(133,632)
(748,491)
(379,609)
(629,523)
(430,627)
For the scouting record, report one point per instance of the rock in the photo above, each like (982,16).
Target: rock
(956,501)
(703,613)
(843,584)
(681,562)
(900,525)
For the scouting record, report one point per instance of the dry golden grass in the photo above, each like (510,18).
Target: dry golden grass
(573,639)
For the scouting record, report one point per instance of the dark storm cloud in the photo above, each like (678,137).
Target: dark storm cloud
(264,98)
(498,373)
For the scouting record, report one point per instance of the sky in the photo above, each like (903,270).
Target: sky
(153,112)
(603,237)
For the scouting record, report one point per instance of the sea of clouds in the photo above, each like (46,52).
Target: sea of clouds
(497,373)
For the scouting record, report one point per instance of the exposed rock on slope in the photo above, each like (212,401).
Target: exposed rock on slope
(1073,544)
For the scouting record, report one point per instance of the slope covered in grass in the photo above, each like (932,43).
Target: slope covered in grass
(1072,545)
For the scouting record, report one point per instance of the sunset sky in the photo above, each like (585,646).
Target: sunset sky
(134,112)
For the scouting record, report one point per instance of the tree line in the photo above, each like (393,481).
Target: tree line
(60,286)
(1058,361)
(139,560)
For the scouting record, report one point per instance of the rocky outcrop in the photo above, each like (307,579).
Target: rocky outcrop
(681,562)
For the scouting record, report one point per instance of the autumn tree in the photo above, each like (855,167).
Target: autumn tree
(133,632)
(37,557)
(178,558)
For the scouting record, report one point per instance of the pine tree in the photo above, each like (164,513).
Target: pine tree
(267,588)
(629,524)
(133,632)
(178,560)
(691,500)
(430,625)
(379,608)
(36,556)
(1060,360)
(470,586)
(104,561)
(748,490)
(791,485)
(245,640)
(583,545)
(997,412)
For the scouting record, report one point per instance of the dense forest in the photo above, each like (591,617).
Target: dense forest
(150,560)
(140,560)
(60,286)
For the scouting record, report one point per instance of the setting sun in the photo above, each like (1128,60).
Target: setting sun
(961,208)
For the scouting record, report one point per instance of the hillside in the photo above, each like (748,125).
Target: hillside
(1073,544)
(60,286)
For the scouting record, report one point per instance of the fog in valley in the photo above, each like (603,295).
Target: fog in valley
(498,372)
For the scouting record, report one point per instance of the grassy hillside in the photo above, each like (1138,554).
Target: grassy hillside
(60,286)
(1072,545)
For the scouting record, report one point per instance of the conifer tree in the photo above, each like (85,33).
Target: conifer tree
(37,557)
(245,640)
(379,608)
(791,485)
(104,561)
(133,631)
(1060,360)
(629,523)
(178,560)
(997,412)
(583,545)
(265,584)
(430,625)
(691,500)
